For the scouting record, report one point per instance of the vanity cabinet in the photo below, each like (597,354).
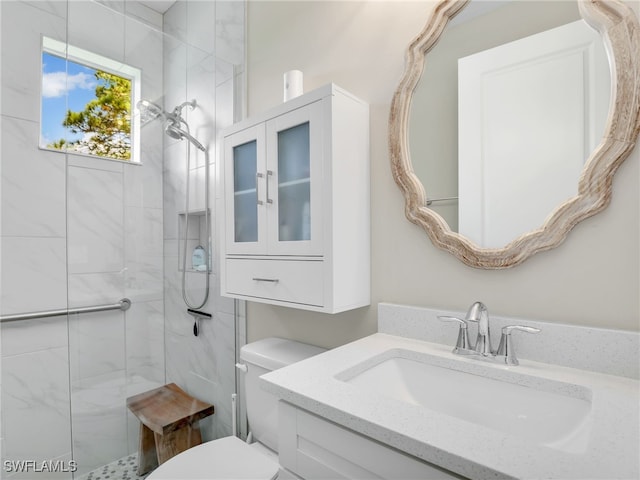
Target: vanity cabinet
(296,204)
(315,448)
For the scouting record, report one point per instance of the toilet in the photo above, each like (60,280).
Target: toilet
(230,457)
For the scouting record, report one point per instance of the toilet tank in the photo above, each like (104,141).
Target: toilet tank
(262,357)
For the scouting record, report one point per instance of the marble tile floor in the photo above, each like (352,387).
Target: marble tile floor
(123,469)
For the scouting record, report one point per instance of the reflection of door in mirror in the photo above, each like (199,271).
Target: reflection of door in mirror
(423,119)
(529,115)
(433,123)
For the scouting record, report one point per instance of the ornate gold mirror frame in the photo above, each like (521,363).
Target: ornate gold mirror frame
(620,30)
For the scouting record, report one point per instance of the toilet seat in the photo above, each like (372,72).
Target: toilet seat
(224,459)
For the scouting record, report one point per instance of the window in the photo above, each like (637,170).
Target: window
(86,103)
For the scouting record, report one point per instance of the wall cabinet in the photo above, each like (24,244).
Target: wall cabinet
(296,204)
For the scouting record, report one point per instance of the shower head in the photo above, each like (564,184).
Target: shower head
(174,130)
(149,111)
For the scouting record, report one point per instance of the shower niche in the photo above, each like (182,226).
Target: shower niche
(197,242)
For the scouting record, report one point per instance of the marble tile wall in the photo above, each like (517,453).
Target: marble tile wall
(212,62)
(97,341)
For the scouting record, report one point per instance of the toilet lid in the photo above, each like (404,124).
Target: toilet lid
(225,458)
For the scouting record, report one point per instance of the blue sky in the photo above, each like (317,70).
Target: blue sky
(65,85)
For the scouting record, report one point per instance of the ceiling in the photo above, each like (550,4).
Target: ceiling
(159,6)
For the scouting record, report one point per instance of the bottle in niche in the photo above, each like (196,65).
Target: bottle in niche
(198,259)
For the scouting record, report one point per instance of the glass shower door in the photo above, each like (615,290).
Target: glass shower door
(79,231)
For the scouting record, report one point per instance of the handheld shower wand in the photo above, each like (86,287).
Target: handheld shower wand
(174,131)
(150,111)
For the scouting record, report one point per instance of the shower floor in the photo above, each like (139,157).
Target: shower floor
(123,469)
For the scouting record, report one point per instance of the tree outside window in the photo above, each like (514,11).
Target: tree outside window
(85,109)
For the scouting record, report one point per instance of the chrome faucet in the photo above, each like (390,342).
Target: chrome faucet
(482,350)
(478,313)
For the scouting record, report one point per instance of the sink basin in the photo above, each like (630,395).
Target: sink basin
(546,412)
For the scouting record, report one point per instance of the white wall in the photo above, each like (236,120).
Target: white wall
(592,279)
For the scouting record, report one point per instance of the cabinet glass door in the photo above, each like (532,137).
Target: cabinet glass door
(244,192)
(294,193)
(294,182)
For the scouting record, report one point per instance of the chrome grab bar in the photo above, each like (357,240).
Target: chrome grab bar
(123,305)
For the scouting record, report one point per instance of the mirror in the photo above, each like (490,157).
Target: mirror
(493,92)
(468,218)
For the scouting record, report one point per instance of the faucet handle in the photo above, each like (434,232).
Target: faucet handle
(463,335)
(510,328)
(505,349)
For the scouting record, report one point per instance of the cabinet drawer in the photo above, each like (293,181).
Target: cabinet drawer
(296,281)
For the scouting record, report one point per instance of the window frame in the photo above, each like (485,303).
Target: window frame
(98,62)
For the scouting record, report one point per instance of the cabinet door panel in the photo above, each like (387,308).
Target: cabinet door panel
(244,190)
(317,449)
(294,192)
(295,181)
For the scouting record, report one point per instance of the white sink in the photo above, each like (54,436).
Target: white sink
(546,412)
(480,420)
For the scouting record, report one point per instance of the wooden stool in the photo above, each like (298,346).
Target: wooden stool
(168,424)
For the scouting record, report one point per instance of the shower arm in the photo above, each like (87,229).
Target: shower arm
(178,110)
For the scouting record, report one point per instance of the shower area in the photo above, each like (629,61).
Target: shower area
(78,231)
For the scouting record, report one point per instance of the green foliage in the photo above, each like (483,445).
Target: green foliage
(59,145)
(105,121)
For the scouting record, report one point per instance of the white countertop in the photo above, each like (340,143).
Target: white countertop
(462,447)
